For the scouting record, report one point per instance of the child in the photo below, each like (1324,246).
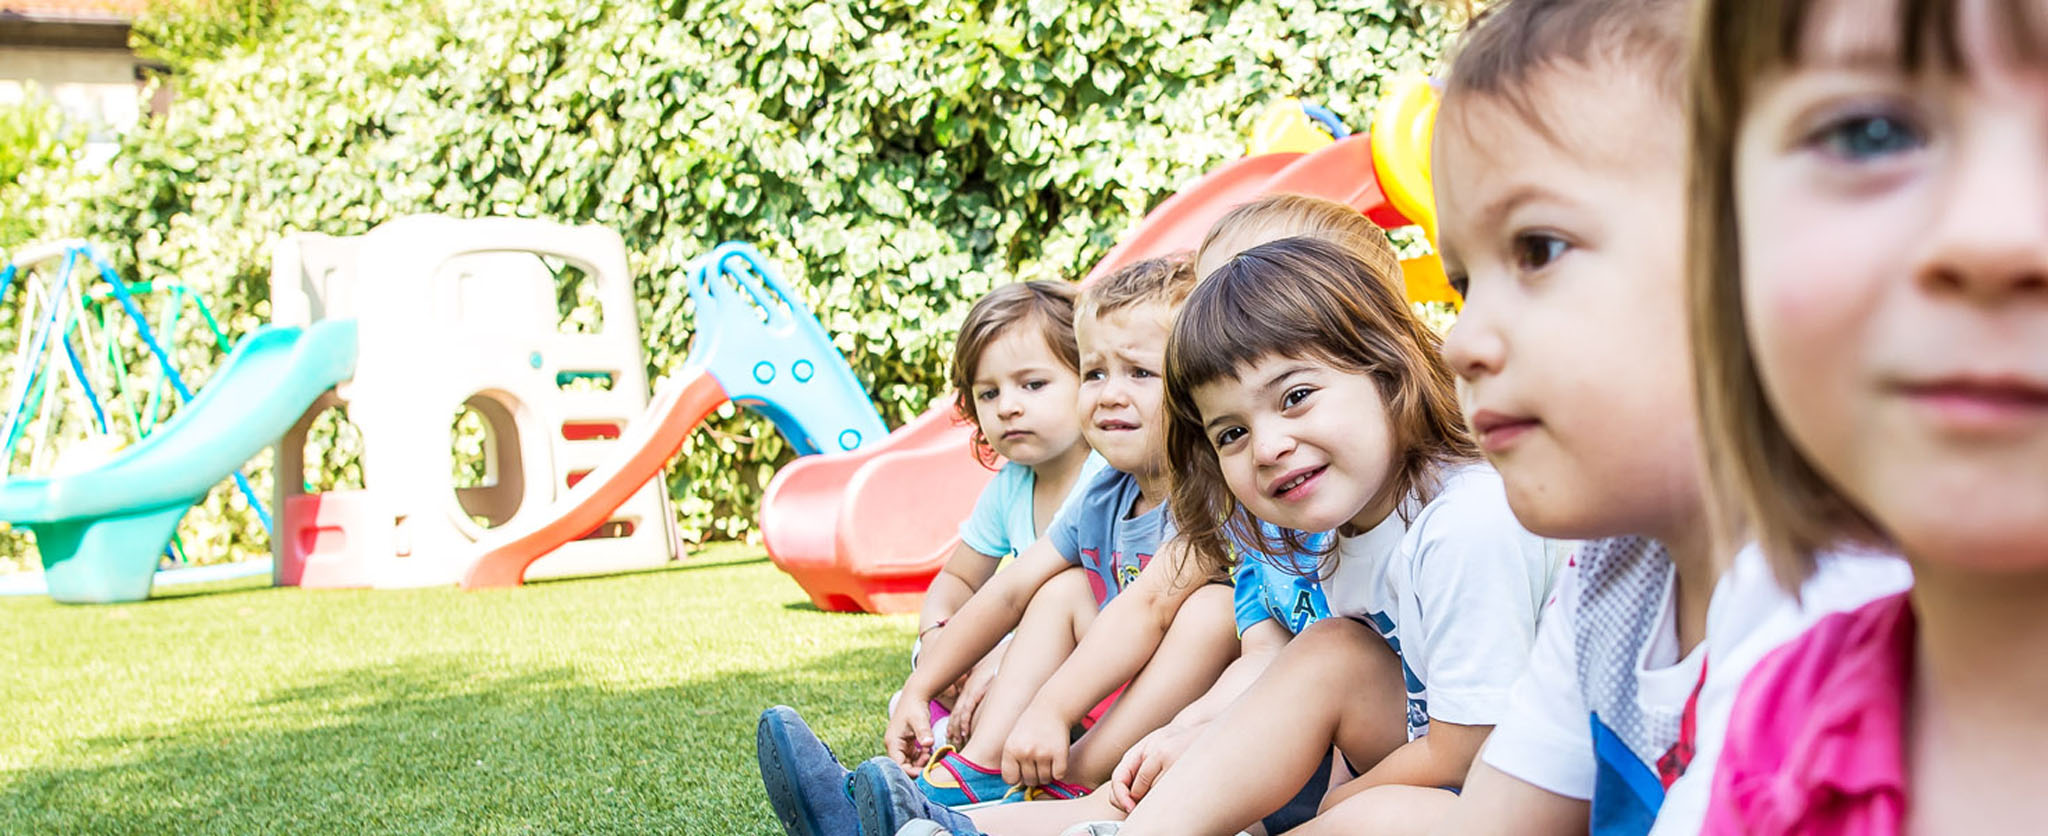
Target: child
(1305,394)
(1559,192)
(1016,372)
(1558,188)
(1052,590)
(1877,358)
(1274,597)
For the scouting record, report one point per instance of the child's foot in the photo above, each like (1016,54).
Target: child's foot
(805,783)
(888,801)
(953,780)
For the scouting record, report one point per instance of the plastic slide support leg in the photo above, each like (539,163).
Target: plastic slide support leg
(105,560)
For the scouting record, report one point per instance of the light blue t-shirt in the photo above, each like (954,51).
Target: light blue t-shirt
(1096,532)
(1281,588)
(1003,523)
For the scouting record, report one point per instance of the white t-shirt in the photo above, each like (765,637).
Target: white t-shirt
(1548,740)
(1751,616)
(1455,590)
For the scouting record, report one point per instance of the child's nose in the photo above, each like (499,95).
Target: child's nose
(1473,348)
(1989,243)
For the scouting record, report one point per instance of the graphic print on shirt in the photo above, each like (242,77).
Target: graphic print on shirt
(1418,704)
(1107,578)
(1623,584)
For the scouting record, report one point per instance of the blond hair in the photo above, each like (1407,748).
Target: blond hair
(1164,280)
(1286,215)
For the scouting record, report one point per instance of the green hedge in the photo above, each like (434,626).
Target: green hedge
(897,159)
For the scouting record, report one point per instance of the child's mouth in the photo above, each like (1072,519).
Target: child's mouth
(1295,485)
(1115,426)
(1014,435)
(1497,431)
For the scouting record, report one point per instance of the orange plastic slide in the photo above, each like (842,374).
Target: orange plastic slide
(867,529)
(653,439)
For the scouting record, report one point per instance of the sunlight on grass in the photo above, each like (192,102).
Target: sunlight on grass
(604,705)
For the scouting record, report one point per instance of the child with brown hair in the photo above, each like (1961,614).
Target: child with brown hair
(1016,372)
(1870,326)
(1559,173)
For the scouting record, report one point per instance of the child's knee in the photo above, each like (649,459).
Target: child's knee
(1346,648)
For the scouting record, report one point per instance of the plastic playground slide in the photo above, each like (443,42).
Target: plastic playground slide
(678,407)
(102,530)
(869,528)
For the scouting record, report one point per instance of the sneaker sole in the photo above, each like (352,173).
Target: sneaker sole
(873,799)
(771,747)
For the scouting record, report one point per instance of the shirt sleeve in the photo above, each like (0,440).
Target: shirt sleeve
(1546,738)
(1065,531)
(1477,578)
(1248,591)
(986,530)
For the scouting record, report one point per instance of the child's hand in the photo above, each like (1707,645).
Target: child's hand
(1036,751)
(1145,762)
(909,738)
(977,681)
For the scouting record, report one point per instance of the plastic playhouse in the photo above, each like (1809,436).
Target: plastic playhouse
(424,317)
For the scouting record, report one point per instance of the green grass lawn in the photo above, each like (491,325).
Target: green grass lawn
(606,705)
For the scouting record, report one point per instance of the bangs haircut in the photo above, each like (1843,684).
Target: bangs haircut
(1307,299)
(1049,305)
(1761,486)
(1164,280)
(1510,45)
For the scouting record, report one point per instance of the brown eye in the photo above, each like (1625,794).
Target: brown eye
(1535,251)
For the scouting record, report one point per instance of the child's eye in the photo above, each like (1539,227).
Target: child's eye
(1462,284)
(985,394)
(1033,385)
(1535,251)
(1142,373)
(1092,374)
(1295,396)
(1228,435)
(1865,136)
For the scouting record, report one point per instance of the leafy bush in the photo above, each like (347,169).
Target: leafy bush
(35,141)
(897,159)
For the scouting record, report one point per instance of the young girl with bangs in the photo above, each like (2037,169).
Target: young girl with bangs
(1016,371)
(1870,291)
(1305,395)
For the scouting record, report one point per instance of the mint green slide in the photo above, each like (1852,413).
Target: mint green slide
(100,532)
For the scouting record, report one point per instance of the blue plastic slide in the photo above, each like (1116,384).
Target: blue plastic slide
(100,532)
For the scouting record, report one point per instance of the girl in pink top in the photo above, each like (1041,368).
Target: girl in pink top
(1870,289)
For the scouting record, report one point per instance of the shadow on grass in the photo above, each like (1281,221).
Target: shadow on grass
(448,746)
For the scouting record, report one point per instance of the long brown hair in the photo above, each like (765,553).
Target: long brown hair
(1311,299)
(1046,304)
(1762,486)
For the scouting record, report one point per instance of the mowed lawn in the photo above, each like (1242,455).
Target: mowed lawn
(623,704)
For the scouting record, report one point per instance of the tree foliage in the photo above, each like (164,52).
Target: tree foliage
(896,159)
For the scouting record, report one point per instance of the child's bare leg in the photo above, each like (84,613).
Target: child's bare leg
(1045,818)
(1199,644)
(1386,810)
(1335,683)
(1053,623)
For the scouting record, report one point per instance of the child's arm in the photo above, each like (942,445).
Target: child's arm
(1153,754)
(965,571)
(1122,638)
(1494,803)
(1438,759)
(973,631)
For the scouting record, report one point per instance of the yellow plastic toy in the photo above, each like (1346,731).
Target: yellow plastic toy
(1402,126)
(1285,128)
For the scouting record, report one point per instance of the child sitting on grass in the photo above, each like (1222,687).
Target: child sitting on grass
(1016,372)
(1306,395)
(1051,592)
